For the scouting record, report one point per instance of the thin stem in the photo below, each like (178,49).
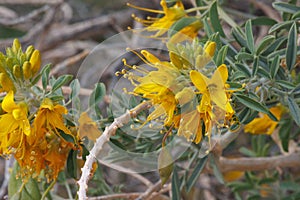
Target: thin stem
(196,9)
(68,190)
(48,189)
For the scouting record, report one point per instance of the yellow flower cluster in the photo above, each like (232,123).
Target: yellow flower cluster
(33,130)
(181,94)
(170,15)
(17,68)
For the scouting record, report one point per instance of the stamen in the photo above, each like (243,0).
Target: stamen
(145,9)
(138,55)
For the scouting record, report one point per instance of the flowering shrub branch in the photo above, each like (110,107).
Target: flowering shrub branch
(209,94)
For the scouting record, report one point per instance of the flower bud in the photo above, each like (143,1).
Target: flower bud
(17,71)
(210,48)
(9,63)
(35,61)
(16,46)
(22,58)
(27,70)
(29,52)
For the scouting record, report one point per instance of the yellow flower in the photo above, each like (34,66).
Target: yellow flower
(161,25)
(162,87)
(45,149)
(87,127)
(264,125)
(157,86)
(170,16)
(50,118)
(214,107)
(14,124)
(213,89)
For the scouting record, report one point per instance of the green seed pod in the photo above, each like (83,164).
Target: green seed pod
(165,165)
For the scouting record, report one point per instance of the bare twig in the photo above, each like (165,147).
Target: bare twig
(229,136)
(117,196)
(39,27)
(155,195)
(85,29)
(260,163)
(69,61)
(109,131)
(82,91)
(36,2)
(25,18)
(147,194)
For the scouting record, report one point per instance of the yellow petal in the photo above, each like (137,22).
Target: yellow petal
(210,48)
(232,175)
(217,88)
(200,81)
(218,96)
(221,74)
(6,123)
(26,127)
(190,126)
(8,103)
(150,57)
(87,127)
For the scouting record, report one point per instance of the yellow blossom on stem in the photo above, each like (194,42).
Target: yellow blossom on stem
(214,107)
(170,16)
(14,124)
(263,124)
(161,87)
(50,118)
(157,86)
(161,25)
(213,89)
